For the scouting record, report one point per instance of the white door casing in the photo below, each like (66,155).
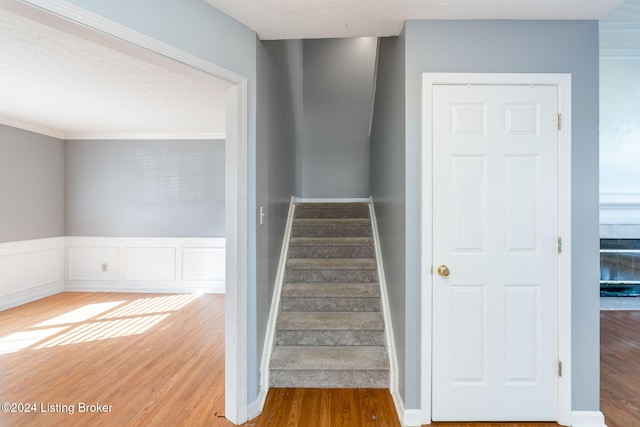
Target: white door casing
(492,203)
(236,185)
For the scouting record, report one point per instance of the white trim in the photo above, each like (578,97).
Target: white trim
(145,264)
(54,133)
(386,312)
(619,213)
(77,14)
(30,270)
(236,328)
(587,419)
(563,82)
(146,135)
(236,400)
(273,313)
(31,127)
(255,408)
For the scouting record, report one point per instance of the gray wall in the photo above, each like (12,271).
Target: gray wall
(279,95)
(338,90)
(388,165)
(505,46)
(145,188)
(197,28)
(31,185)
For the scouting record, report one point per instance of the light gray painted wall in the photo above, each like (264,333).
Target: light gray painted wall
(197,28)
(388,165)
(338,90)
(145,188)
(31,185)
(505,46)
(279,93)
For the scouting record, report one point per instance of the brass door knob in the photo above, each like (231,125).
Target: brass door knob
(443,270)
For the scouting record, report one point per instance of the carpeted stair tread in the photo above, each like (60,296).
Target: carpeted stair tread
(332,210)
(329,290)
(330,321)
(340,227)
(331,264)
(305,337)
(330,358)
(330,241)
(330,275)
(322,222)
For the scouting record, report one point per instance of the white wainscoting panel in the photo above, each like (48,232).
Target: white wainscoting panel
(203,264)
(87,263)
(30,270)
(150,264)
(109,264)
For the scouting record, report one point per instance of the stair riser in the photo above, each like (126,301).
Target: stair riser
(331,252)
(331,276)
(331,230)
(329,304)
(329,379)
(330,337)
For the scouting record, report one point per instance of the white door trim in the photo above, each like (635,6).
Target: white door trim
(563,82)
(236,395)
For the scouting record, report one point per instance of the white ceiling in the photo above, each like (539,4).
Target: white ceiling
(67,86)
(70,82)
(299,19)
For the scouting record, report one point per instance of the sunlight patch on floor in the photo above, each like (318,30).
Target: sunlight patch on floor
(105,330)
(81,314)
(19,340)
(94,322)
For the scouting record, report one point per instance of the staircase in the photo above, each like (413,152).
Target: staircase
(330,329)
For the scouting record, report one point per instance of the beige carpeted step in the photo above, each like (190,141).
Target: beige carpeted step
(330,330)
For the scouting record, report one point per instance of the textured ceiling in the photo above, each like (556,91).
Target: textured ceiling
(76,88)
(71,83)
(293,19)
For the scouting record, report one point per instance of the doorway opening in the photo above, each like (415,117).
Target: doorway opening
(236,185)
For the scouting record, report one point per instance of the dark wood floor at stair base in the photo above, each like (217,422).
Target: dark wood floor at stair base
(620,367)
(316,407)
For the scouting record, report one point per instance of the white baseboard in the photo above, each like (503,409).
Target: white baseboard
(587,419)
(273,313)
(30,270)
(109,264)
(407,417)
(255,408)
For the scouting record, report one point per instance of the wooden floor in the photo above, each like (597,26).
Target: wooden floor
(620,367)
(150,359)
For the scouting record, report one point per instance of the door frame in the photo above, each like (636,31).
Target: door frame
(236,184)
(563,83)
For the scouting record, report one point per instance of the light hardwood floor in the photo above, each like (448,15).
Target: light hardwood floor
(159,360)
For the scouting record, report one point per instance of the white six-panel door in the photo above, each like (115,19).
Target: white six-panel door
(495,227)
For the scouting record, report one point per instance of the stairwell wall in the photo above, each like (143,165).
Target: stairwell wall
(388,166)
(338,94)
(279,94)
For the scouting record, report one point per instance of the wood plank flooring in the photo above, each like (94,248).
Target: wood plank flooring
(620,367)
(152,359)
(159,360)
